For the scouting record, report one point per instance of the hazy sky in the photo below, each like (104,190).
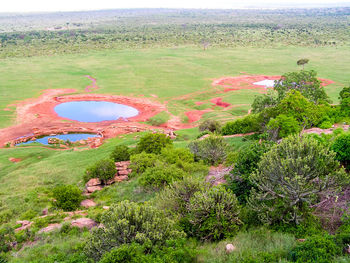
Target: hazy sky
(73,5)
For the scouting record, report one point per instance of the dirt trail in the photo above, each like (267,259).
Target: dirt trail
(93,85)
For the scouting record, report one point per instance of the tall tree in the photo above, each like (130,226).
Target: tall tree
(302,62)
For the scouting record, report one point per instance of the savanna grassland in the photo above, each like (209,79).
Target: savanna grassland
(163,55)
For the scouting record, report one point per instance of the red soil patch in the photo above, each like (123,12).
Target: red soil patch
(326,82)
(196,114)
(220,103)
(242,82)
(36,117)
(15,160)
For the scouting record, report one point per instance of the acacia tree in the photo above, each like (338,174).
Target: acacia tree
(304,81)
(290,178)
(302,62)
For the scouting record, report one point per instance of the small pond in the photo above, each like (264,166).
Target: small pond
(94,111)
(269,83)
(73,137)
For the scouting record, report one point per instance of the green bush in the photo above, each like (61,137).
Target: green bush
(161,175)
(153,143)
(210,125)
(212,149)
(247,124)
(68,197)
(320,249)
(341,147)
(140,162)
(290,178)
(120,153)
(282,126)
(214,214)
(176,155)
(128,222)
(104,170)
(246,163)
(176,197)
(126,253)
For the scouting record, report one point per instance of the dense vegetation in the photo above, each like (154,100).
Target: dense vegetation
(285,194)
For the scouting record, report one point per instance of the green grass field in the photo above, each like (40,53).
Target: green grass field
(165,72)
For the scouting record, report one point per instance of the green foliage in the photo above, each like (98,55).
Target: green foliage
(68,197)
(341,147)
(104,170)
(302,62)
(289,178)
(128,222)
(161,175)
(176,155)
(211,150)
(120,153)
(126,253)
(175,198)
(282,126)
(247,124)
(264,101)
(246,163)
(210,125)
(214,214)
(320,249)
(7,236)
(305,82)
(153,143)
(140,162)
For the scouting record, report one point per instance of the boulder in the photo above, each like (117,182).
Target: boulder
(105,207)
(93,182)
(84,223)
(91,189)
(50,228)
(24,225)
(230,248)
(121,178)
(87,203)
(123,172)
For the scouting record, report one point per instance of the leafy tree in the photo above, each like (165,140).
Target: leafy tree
(247,124)
(128,222)
(67,197)
(140,162)
(153,143)
(214,214)
(344,97)
(289,178)
(210,125)
(341,146)
(302,62)
(282,126)
(305,82)
(264,101)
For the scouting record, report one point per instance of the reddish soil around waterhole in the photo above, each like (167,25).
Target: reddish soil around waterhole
(37,117)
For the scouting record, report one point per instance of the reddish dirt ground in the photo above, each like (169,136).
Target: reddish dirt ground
(196,115)
(36,117)
(93,84)
(219,102)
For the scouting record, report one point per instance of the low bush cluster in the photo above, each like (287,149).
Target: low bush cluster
(67,197)
(104,170)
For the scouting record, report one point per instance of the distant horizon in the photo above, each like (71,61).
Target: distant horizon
(42,6)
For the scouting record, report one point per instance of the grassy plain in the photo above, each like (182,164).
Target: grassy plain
(165,72)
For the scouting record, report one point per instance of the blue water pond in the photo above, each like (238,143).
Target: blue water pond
(94,111)
(73,137)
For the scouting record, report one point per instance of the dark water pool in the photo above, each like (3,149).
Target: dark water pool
(73,137)
(94,111)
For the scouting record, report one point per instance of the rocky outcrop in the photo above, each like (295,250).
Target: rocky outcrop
(84,223)
(87,203)
(50,228)
(230,248)
(24,225)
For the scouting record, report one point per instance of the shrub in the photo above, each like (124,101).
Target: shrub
(320,249)
(160,176)
(140,162)
(120,153)
(282,126)
(104,170)
(212,149)
(153,143)
(214,214)
(210,125)
(246,163)
(126,253)
(289,178)
(176,197)
(341,146)
(176,155)
(68,197)
(128,222)
(247,124)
